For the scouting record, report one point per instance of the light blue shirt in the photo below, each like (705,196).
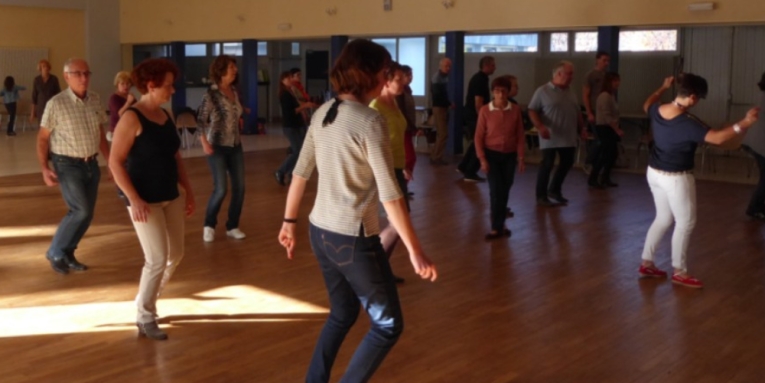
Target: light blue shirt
(559,111)
(11,96)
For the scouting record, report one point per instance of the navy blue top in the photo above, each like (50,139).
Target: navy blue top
(151,162)
(675,140)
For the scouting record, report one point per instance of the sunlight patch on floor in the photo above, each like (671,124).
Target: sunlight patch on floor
(222,304)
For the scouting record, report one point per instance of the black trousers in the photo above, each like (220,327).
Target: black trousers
(757,202)
(566,161)
(500,176)
(11,107)
(604,156)
(470,165)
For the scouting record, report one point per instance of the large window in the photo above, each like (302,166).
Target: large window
(409,51)
(648,41)
(657,40)
(528,42)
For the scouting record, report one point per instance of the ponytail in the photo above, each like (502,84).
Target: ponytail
(331,113)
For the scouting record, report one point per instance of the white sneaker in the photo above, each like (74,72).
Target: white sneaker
(208,234)
(235,233)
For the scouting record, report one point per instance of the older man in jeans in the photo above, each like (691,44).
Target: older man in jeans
(70,137)
(554,109)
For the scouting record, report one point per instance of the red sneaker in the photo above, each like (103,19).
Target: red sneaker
(651,272)
(687,280)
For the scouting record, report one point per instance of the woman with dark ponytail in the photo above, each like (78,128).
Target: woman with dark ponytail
(350,147)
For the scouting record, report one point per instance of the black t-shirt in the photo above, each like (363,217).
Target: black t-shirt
(478,86)
(290,119)
(675,140)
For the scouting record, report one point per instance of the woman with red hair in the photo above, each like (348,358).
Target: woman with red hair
(147,168)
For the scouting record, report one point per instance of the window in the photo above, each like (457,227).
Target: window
(585,41)
(527,42)
(234,49)
(409,51)
(262,48)
(648,41)
(196,50)
(296,49)
(390,45)
(559,42)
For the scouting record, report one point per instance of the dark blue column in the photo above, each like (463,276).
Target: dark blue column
(248,85)
(178,55)
(455,50)
(337,43)
(608,41)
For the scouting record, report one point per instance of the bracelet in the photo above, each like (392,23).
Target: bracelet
(737,128)
(290,220)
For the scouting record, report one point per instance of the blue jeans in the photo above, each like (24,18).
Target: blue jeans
(78,181)
(296,136)
(226,160)
(355,269)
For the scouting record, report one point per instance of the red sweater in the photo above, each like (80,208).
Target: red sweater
(500,130)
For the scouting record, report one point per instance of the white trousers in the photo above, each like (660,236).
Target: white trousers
(161,238)
(675,199)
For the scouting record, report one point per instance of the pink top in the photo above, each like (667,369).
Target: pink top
(500,130)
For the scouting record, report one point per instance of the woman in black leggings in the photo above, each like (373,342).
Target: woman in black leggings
(608,133)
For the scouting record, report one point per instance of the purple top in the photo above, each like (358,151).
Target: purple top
(116,102)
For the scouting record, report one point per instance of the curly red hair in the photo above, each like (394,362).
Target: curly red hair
(153,71)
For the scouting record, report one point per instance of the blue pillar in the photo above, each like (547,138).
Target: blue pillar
(608,41)
(249,84)
(455,50)
(178,55)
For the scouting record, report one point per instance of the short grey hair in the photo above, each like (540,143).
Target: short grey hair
(560,65)
(70,61)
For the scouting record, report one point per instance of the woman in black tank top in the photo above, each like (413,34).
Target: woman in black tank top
(147,168)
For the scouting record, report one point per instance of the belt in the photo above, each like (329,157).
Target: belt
(94,157)
(667,173)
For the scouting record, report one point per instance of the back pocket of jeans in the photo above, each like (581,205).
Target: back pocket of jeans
(339,249)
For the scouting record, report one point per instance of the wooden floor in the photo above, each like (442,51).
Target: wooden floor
(558,302)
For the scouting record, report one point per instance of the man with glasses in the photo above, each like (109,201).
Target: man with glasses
(70,137)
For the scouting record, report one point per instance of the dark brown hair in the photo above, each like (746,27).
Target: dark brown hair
(393,67)
(9,83)
(689,84)
(219,67)
(355,71)
(608,82)
(502,82)
(152,71)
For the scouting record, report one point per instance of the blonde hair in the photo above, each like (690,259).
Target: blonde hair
(121,77)
(41,63)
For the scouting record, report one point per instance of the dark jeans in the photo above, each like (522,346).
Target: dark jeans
(757,202)
(402,184)
(501,175)
(296,136)
(566,161)
(604,154)
(470,164)
(11,107)
(591,146)
(78,181)
(226,160)
(356,270)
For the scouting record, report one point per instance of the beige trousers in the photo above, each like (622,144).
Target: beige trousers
(441,120)
(161,238)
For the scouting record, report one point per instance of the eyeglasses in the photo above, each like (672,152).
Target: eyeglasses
(80,74)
